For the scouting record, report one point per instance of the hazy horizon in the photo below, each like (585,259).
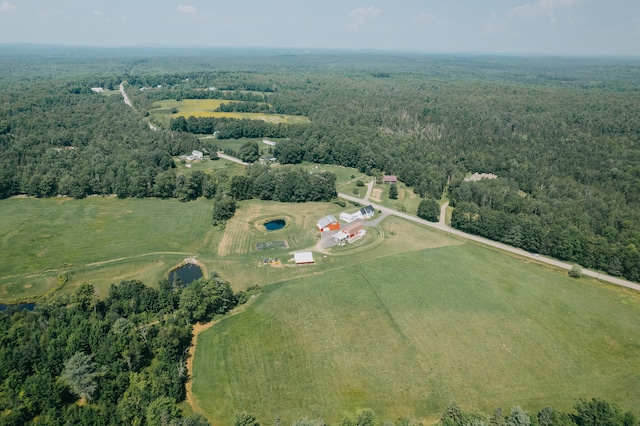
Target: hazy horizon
(539,27)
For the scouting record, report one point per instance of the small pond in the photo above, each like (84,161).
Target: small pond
(274,225)
(27,306)
(187,273)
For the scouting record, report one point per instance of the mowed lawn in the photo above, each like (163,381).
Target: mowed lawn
(408,333)
(40,239)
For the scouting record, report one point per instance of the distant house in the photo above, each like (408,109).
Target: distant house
(367,212)
(268,142)
(303,258)
(389,179)
(268,159)
(479,176)
(97,89)
(363,213)
(195,155)
(328,223)
(350,232)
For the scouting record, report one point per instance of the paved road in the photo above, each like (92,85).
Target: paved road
(543,259)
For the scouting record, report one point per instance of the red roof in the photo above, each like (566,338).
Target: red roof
(352,228)
(389,179)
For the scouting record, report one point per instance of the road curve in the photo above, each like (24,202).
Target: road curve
(543,259)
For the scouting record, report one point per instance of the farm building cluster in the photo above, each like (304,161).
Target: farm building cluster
(352,231)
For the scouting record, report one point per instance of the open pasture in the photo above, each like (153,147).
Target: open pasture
(98,240)
(206,108)
(407,333)
(57,244)
(210,166)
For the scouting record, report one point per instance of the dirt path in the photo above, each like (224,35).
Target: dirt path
(533,256)
(369,189)
(443,213)
(125,96)
(197,329)
(230,158)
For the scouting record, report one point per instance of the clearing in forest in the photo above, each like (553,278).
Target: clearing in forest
(206,108)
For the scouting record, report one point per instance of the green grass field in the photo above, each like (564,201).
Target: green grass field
(407,333)
(101,240)
(403,321)
(97,240)
(206,108)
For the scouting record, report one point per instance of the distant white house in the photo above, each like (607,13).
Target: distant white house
(268,142)
(367,212)
(364,213)
(195,155)
(479,176)
(303,258)
(97,89)
(268,159)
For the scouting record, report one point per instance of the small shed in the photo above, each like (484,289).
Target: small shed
(328,223)
(303,258)
(389,179)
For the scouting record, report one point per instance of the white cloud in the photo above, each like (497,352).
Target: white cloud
(7,6)
(97,13)
(540,8)
(359,16)
(187,9)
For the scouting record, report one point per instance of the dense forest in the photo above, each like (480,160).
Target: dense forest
(119,359)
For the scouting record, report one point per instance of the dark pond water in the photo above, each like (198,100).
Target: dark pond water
(187,273)
(27,306)
(274,225)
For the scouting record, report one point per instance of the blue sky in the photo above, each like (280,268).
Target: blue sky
(574,27)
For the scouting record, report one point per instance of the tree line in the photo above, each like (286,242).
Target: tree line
(228,128)
(119,359)
(587,412)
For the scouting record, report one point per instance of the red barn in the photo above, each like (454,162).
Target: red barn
(328,223)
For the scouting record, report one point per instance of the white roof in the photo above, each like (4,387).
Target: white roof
(325,221)
(303,257)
